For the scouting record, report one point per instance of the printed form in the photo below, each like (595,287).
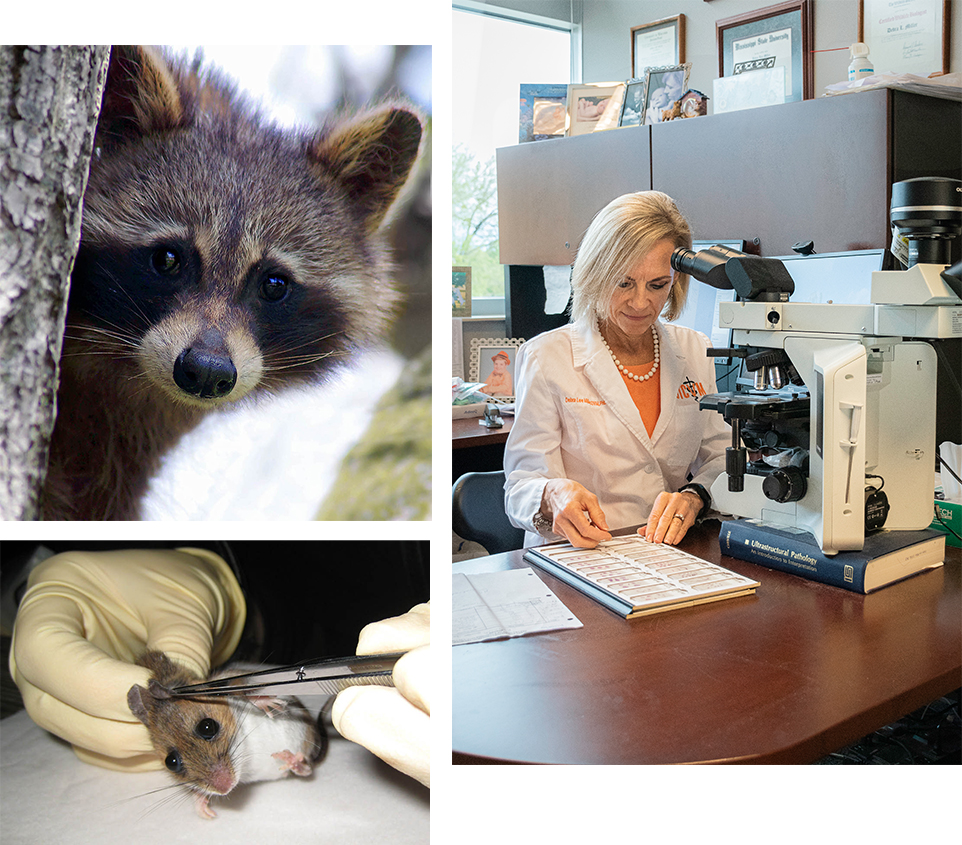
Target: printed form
(496,605)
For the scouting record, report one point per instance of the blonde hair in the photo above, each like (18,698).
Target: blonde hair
(617,239)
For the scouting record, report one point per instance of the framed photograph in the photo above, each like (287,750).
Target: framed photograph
(492,362)
(594,107)
(664,86)
(633,105)
(776,36)
(460,291)
(657,44)
(906,36)
(544,112)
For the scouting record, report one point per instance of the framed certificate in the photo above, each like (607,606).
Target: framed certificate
(776,36)
(657,44)
(906,36)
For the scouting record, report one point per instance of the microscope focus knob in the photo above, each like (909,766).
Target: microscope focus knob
(784,485)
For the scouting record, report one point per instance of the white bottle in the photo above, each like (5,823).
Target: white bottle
(861,66)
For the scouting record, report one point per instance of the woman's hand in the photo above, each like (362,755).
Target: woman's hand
(395,724)
(574,512)
(671,517)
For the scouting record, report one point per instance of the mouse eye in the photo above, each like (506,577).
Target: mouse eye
(207,729)
(174,762)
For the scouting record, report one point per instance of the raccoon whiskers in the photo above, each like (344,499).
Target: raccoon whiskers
(106,338)
(289,362)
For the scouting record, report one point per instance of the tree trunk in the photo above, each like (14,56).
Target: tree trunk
(49,102)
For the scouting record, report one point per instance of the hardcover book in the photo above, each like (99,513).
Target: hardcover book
(634,577)
(886,556)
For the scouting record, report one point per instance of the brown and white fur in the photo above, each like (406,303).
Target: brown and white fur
(220,257)
(213,745)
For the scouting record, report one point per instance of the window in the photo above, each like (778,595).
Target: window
(493,56)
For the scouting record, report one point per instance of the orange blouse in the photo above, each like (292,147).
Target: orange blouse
(646,395)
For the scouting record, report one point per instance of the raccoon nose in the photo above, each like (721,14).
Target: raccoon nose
(203,373)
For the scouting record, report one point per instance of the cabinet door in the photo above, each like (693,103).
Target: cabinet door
(549,191)
(814,170)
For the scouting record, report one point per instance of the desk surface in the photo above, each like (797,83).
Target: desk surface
(468,432)
(785,676)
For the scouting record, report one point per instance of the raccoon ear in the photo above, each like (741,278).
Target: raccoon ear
(141,96)
(371,154)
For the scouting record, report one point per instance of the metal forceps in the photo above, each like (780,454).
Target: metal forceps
(324,676)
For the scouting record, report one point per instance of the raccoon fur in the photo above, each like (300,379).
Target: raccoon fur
(220,256)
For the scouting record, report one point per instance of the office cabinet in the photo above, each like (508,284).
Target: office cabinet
(548,191)
(818,170)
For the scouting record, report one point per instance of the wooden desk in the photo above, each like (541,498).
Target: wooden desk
(468,433)
(786,676)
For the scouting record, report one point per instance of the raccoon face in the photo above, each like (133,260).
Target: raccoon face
(220,254)
(203,329)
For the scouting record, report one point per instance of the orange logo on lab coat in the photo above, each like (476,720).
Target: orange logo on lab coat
(582,401)
(691,390)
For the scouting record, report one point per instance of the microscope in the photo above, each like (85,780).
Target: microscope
(837,400)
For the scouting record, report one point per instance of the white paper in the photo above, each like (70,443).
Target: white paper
(496,605)
(457,348)
(749,90)
(557,289)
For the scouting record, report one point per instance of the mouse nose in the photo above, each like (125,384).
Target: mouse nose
(222,778)
(205,373)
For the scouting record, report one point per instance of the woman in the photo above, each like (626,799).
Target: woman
(607,431)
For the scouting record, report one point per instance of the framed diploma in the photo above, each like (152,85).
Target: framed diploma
(657,44)
(777,36)
(906,36)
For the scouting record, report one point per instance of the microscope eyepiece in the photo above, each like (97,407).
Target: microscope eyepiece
(706,265)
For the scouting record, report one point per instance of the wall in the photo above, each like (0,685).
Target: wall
(606,33)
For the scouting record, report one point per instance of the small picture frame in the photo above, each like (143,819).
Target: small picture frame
(776,36)
(633,105)
(594,107)
(664,86)
(492,363)
(657,44)
(460,291)
(543,112)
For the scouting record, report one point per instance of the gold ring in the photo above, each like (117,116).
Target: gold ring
(679,516)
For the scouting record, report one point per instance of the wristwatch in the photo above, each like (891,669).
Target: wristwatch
(542,524)
(702,494)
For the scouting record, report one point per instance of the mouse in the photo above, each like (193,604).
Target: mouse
(213,744)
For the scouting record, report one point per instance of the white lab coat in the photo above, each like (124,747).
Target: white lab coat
(575,419)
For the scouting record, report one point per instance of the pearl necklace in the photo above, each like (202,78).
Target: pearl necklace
(624,370)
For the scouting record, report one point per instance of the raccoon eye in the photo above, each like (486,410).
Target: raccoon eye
(174,762)
(275,288)
(165,260)
(207,729)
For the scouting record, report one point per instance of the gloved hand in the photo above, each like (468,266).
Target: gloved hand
(86,616)
(395,724)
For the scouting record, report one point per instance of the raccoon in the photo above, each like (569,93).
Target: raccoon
(220,257)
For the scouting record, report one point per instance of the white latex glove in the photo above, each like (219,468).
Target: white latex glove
(86,616)
(395,724)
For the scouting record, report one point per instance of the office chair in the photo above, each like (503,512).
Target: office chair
(477,500)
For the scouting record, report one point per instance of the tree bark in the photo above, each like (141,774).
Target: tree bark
(49,103)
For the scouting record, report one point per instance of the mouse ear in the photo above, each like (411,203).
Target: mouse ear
(157,689)
(135,701)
